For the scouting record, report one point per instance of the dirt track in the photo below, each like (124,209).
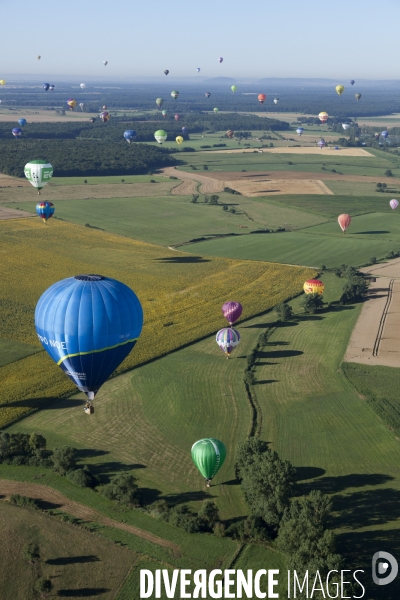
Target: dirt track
(297,150)
(225,175)
(208,185)
(47,494)
(11,213)
(376,337)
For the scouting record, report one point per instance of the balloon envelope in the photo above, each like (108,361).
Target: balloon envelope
(104,116)
(385,134)
(232,311)
(346,126)
(164,113)
(160,135)
(344,221)
(45,210)
(220,60)
(323,117)
(313,286)
(177,117)
(299,130)
(159,102)
(46,86)
(358,96)
(17,132)
(208,455)
(2,82)
(71,103)
(184,129)
(233,88)
(179,139)
(261,98)
(22,122)
(321,143)
(38,173)
(88,324)
(174,94)
(227,339)
(198,69)
(82,105)
(82,86)
(105,62)
(51,88)
(230,133)
(339,89)
(207,94)
(129,135)
(393,204)
(166,72)
(216,110)
(276,100)
(352,81)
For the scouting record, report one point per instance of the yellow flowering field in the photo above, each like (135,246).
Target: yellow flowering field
(181,295)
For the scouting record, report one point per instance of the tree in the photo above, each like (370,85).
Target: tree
(209,515)
(64,459)
(195,197)
(372,260)
(224,207)
(37,442)
(122,488)
(205,168)
(266,481)
(312,302)
(83,477)
(284,311)
(388,173)
(31,552)
(249,378)
(43,586)
(214,199)
(354,289)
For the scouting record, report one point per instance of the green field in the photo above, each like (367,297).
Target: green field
(11,350)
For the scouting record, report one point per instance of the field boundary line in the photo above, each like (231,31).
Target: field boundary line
(375,350)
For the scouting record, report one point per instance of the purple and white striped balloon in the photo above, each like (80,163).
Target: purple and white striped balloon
(232,311)
(393,204)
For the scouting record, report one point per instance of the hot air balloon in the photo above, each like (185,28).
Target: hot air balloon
(179,139)
(208,455)
(46,86)
(82,105)
(352,81)
(358,96)
(220,60)
(104,116)
(164,113)
(215,110)
(161,136)
(232,311)
(177,117)
(323,117)
(174,94)
(166,72)
(22,122)
(344,221)
(92,120)
(229,133)
(39,57)
(2,82)
(384,134)
(82,86)
(51,88)
(45,210)
(346,126)
(38,173)
(88,324)
(261,98)
(17,132)
(276,100)
(104,107)
(198,69)
(207,94)
(105,62)
(321,143)
(393,204)
(233,88)
(71,103)
(299,130)
(339,89)
(184,129)
(376,135)
(159,102)
(227,339)
(130,135)
(313,286)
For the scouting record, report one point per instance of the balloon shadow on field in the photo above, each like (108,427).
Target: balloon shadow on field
(183,259)
(265,381)
(72,560)
(334,485)
(369,232)
(82,592)
(366,508)
(308,473)
(278,353)
(231,482)
(104,471)
(194,496)
(47,403)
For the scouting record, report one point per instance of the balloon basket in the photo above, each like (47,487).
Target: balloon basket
(89,410)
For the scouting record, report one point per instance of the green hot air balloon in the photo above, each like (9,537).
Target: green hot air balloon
(38,173)
(208,455)
(159,102)
(174,94)
(216,110)
(233,88)
(160,135)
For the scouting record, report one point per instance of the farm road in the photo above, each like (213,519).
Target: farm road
(47,494)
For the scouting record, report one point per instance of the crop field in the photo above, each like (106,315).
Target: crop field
(173,288)
(300,248)
(76,567)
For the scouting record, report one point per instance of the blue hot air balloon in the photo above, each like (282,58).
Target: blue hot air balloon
(51,87)
(46,87)
(129,135)
(17,132)
(45,210)
(384,134)
(88,324)
(22,122)
(352,81)
(184,129)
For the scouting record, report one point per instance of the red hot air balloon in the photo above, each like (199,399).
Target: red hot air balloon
(177,117)
(261,98)
(232,311)
(344,221)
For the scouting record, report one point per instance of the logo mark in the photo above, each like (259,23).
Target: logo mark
(385,564)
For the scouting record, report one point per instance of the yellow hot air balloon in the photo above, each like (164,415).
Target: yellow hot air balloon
(2,82)
(179,139)
(340,89)
(313,286)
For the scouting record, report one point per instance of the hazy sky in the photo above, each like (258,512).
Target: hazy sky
(257,38)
